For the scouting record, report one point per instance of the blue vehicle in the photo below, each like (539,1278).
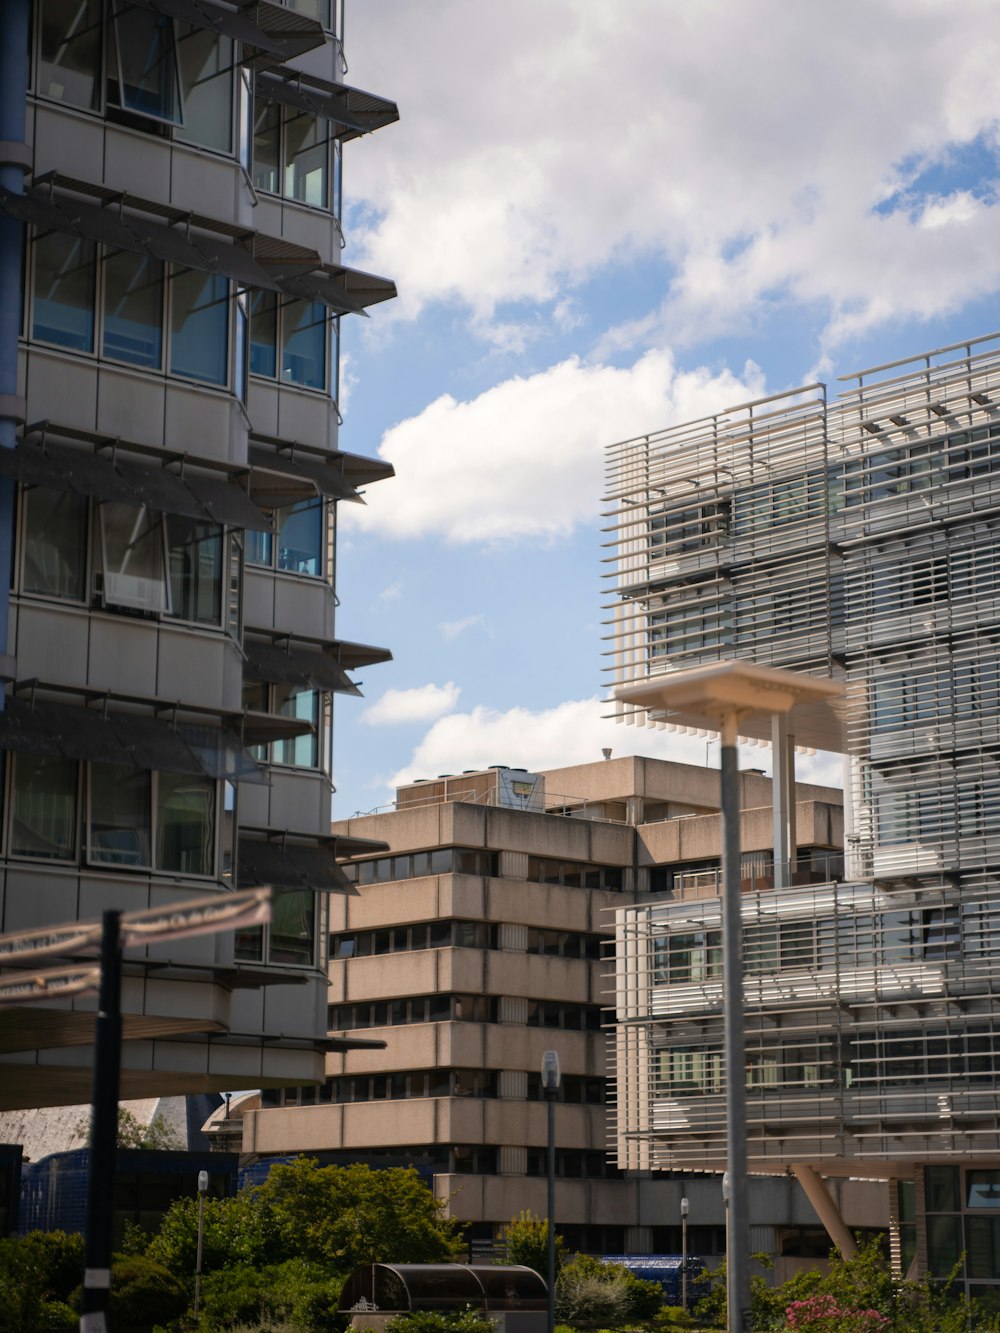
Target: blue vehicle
(666,1270)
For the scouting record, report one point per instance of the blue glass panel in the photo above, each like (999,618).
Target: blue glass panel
(199,326)
(303,350)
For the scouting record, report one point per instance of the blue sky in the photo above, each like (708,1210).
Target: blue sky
(602,219)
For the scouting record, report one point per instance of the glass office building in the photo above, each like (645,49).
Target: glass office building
(172,288)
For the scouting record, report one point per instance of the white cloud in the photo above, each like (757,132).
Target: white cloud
(746,142)
(451,629)
(525,458)
(420,704)
(391,592)
(574,732)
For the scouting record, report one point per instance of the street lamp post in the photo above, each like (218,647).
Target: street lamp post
(550,1086)
(724,694)
(202,1192)
(684,1254)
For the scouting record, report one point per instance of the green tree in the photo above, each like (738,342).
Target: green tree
(349,1215)
(526,1241)
(237,1231)
(333,1218)
(132,1133)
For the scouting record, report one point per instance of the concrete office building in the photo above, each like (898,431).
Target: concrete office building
(473,944)
(855,539)
(170,298)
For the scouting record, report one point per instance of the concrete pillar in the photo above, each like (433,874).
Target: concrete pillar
(638,1240)
(783,800)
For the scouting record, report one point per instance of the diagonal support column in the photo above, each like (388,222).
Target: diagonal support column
(826,1210)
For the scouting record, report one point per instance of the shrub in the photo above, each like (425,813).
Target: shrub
(143,1292)
(594,1293)
(431,1321)
(36,1271)
(298,1293)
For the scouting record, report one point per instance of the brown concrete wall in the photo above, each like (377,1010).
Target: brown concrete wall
(662,780)
(817,824)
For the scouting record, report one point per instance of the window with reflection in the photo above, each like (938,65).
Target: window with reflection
(69,58)
(288,340)
(134,557)
(133,309)
(63,291)
(185,824)
(206,75)
(303,344)
(266,146)
(291,936)
(264,334)
(291,154)
(196,558)
(162,821)
(306,153)
(44,806)
(300,537)
(146,54)
(119,831)
(293,928)
(301,703)
(199,326)
(158,74)
(55,544)
(299,547)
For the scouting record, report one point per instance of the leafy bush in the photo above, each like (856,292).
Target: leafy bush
(37,1271)
(593,1293)
(297,1293)
(143,1292)
(430,1321)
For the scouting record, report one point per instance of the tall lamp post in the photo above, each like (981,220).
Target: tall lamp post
(550,1086)
(724,694)
(684,1254)
(202,1192)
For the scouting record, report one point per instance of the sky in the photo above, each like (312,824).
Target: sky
(603,219)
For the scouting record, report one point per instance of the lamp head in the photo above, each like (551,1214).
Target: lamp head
(550,1071)
(684,1207)
(202,1182)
